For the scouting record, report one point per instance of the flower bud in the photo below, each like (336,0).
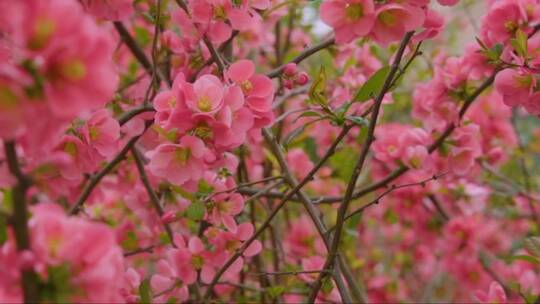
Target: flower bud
(290,69)
(302,78)
(288,84)
(168,217)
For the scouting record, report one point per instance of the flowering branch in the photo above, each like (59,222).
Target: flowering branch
(358,167)
(19,221)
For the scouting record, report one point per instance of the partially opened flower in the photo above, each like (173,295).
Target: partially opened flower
(179,163)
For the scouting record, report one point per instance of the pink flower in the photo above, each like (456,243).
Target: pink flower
(179,163)
(394,20)
(95,260)
(350,19)
(102,132)
(258,89)
(515,86)
(205,95)
(448,2)
(68,49)
(223,208)
(466,149)
(113,10)
(495,294)
(502,20)
(299,162)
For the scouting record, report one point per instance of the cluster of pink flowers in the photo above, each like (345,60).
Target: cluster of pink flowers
(131,137)
(385,23)
(59,65)
(82,253)
(208,118)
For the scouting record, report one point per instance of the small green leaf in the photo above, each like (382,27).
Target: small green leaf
(327,285)
(3,231)
(317,91)
(361,121)
(292,135)
(145,292)
(526,258)
(532,245)
(310,114)
(196,211)
(373,86)
(205,188)
(275,291)
(520,43)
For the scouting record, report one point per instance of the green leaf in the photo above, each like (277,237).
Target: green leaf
(145,292)
(532,245)
(317,91)
(275,291)
(361,121)
(520,43)
(310,114)
(196,211)
(526,258)
(373,86)
(292,135)
(205,188)
(343,163)
(3,231)
(327,285)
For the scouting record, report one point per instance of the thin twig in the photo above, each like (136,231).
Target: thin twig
(151,194)
(269,219)
(305,54)
(96,178)
(342,212)
(19,220)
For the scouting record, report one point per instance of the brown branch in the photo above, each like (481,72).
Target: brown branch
(283,273)
(151,194)
(137,51)
(19,220)
(270,217)
(305,54)
(313,213)
(342,212)
(96,178)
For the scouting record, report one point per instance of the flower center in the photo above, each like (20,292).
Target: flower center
(8,99)
(71,149)
(43,30)
(354,11)
(182,155)
(246,86)
(387,18)
(93,132)
(197,261)
(219,13)
(510,26)
(203,132)
(204,104)
(74,69)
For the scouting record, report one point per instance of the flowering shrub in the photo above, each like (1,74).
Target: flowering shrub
(269,151)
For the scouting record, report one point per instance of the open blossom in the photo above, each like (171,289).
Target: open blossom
(109,9)
(205,96)
(495,294)
(179,163)
(392,21)
(257,89)
(223,208)
(350,19)
(515,86)
(102,132)
(69,50)
(87,249)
